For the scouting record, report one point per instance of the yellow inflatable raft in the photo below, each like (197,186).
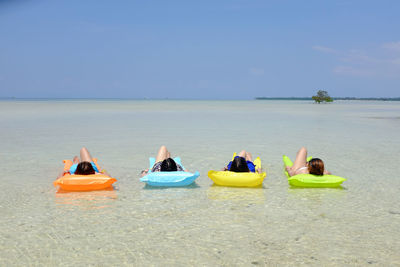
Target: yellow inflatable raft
(238,179)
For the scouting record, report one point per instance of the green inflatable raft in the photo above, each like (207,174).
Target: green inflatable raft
(310,180)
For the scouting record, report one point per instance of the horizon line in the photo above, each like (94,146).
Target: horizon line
(200,99)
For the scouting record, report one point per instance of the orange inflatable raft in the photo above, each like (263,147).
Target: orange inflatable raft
(91,182)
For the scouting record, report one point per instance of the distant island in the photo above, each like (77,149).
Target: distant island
(334,98)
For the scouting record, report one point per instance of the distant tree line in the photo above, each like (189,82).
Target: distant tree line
(323,96)
(334,98)
(368,98)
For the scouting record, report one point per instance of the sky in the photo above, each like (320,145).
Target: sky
(224,49)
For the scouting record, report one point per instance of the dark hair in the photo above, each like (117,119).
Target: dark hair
(239,164)
(316,166)
(84,168)
(168,165)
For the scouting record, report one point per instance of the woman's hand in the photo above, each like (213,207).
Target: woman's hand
(144,172)
(289,170)
(63,173)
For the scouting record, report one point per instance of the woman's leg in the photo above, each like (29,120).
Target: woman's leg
(246,155)
(242,154)
(249,157)
(85,155)
(162,154)
(301,159)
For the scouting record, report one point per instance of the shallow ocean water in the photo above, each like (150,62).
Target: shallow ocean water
(202,224)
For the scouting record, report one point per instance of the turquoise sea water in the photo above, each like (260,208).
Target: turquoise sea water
(201,224)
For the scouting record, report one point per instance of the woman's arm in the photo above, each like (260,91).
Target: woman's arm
(62,174)
(144,172)
(289,170)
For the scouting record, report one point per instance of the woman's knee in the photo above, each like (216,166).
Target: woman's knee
(302,149)
(249,156)
(242,154)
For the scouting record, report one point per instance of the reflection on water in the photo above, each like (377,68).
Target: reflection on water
(150,187)
(87,200)
(243,194)
(151,193)
(322,188)
(316,194)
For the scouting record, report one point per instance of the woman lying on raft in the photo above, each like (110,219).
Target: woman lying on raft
(301,165)
(242,163)
(84,166)
(164,163)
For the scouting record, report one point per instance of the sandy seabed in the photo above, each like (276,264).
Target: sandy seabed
(201,224)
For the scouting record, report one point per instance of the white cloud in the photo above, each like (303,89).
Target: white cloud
(324,49)
(381,61)
(352,71)
(256,71)
(394,46)
(359,57)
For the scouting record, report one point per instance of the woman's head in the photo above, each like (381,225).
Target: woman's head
(239,164)
(84,168)
(316,167)
(168,165)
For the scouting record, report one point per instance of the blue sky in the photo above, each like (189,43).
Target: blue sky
(221,49)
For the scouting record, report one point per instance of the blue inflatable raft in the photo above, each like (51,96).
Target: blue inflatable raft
(179,178)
